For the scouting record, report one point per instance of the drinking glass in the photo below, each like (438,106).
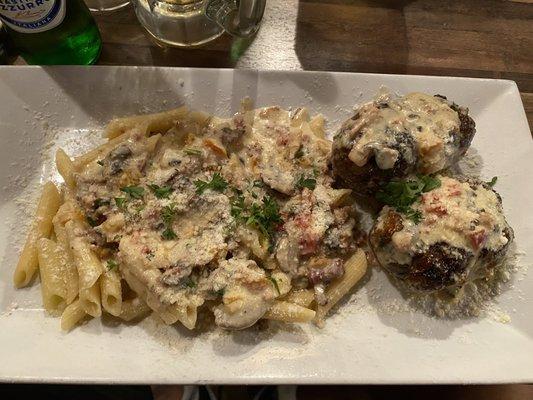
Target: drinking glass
(185,23)
(106,5)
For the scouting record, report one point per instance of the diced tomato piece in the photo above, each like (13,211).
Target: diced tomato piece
(477,239)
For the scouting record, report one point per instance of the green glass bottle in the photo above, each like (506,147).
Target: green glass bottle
(49,32)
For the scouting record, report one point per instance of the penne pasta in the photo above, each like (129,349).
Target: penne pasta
(289,312)
(81,161)
(134,309)
(52,269)
(65,166)
(159,122)
(90,300)
(70,271)
(72,315)
(354,270)
(42,226)
(111,292)
(89,268)
(239,214)
(302,297)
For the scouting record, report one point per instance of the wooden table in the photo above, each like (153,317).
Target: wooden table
(475,38)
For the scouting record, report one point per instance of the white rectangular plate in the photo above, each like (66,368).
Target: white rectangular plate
(374,338)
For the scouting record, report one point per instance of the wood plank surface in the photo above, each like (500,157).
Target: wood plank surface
(474,38)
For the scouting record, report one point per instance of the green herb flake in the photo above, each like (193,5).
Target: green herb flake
(492,181)
(190,283)
(237,206)
(100,162)
(217,183)
(161,192)
(275,283)
(120,202)
(111,264)
(169,234)
(264,216)
(192,152)
(168,213)
(135,192)
(100,202)
(220,292)
(309,183)
(401,194)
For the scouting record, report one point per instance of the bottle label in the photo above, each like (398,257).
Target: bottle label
(32,16)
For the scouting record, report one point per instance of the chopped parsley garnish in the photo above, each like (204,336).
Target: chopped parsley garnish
(264,216)
(492,181)
(111,264)
(217,183)
(258,183)
(192,152)
(190,283)
(100,162)
(120,202)
(168,234)
(135,192)
(168,213)
(220,292)
(300,152)
(309,183)
(275,283)
(237,205)
(401,194)
(161,192)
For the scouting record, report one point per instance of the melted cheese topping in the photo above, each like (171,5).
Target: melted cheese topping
(388,130)
(185,245)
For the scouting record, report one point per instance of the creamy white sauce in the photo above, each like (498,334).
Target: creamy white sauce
(456,214)
(427,120)
(184,247)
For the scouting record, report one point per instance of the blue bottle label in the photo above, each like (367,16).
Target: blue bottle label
(32,16)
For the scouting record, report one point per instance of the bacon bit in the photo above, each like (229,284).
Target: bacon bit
(438,209)
(302,220)
(282,140)
(145,250)
(431,197)
(477,239)
(308,243)
(454,189)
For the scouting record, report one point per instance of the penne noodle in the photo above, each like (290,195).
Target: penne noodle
(302,297)
(188,315)
(289,312)
(72,315)
(70,272)
(111,292)
(317,126)
(354,270)
(52,269)
(81,161)
(134,309)
(90,300)
(89,268)
(159,122)
(42,226)
(65,166)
